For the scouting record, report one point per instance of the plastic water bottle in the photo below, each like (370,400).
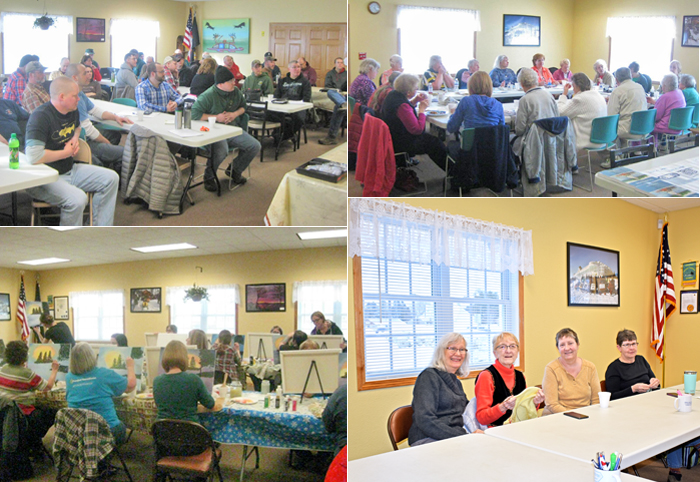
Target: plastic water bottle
(14,151)
(430,88)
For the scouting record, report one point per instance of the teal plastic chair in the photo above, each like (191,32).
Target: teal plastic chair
(681,120)
(125,101)
(642,125)
(696,111)
(351,104)
(603,131)
(466,143)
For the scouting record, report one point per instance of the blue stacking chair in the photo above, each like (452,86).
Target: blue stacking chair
(603,131)
(681,120)
(642,125)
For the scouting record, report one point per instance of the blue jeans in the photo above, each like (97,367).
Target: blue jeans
(675,458)
(68,193)
(248,147)
(338,115)
(105,154)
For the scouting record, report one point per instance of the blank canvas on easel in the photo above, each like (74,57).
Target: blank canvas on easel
(295,368)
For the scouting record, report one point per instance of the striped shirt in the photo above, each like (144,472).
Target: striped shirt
(19,383)
(170,79)
(150,98)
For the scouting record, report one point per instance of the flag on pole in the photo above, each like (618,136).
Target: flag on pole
(191,39)
(664,295)
(195,38)
(22,311)
(187,41)
(37,291)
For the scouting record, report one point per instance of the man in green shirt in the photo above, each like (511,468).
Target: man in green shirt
(259,80)
(224,101)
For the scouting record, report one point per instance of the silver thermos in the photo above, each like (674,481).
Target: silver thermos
(178,118)
(187,117)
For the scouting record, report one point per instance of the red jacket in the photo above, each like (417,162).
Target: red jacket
(376,166)
(236,74)
(338,471)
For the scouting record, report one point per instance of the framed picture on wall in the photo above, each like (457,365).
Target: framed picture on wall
(593,276)
(265,297)
(145,300)
(227,36)
(689,302)
(4,307)
(521,31)
(690,31)
(90,29)
(60,304)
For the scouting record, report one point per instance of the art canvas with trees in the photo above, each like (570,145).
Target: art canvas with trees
(114,358)
(41,355)
(199,362)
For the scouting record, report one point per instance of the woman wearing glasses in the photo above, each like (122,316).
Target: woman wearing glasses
(498,385)
(438,397)
(630,374)
(569,382)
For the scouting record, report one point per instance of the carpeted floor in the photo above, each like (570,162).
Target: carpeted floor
(244,206)
(138,455)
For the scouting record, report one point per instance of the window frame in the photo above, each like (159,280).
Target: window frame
(358,301)
(74,319)
(171,321)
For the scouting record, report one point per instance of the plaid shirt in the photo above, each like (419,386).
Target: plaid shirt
(151,99)
(16,84)
(227,360)
(34,96)
(82,436)
(170,79)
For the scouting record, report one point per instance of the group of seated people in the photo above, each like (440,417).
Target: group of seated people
(400,104)
(440,406)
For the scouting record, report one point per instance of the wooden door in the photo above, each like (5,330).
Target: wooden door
(319,43)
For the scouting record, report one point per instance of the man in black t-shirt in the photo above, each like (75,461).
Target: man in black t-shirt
(52,139)
(54,332)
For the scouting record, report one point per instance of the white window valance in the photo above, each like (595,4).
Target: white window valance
(438,18)
(176,294)
(399,232)
(664,27)
(128,26)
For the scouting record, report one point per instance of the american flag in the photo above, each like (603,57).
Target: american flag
(664,295)
(187,42)
(22,311)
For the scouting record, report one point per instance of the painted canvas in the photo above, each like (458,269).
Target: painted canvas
(114,358)
(90,29)
(227,36)
(34,310)
(593,276)
(200,362)
(265,297)
(41,355)
(4,307)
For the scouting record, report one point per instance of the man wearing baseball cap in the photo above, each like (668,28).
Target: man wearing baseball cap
(271,69)
(17,81)
(224,101)
(170,71)
(258,80)
(34,94)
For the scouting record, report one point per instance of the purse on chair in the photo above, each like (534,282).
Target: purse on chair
(406,179)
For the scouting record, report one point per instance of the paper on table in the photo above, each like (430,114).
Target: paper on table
(185,132)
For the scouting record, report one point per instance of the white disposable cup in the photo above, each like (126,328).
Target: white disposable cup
(139,114)
(684,403)
(604,398)
(223,391)
(212,121)
(606,475)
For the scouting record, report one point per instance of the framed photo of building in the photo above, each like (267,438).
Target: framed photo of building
(690,31)
(521,31)
(593,276)
(5,307)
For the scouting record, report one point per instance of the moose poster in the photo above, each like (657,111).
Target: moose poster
(228,36)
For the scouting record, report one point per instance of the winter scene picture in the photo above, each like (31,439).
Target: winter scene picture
(594,276)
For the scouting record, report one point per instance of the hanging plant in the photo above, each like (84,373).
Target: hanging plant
(196,293)
(44,22)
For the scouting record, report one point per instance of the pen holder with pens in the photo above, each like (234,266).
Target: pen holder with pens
(607,475)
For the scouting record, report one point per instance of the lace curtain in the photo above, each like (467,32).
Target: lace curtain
(664,27)
(328,297)
(399,232)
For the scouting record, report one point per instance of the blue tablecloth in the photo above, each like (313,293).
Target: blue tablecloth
(268,428)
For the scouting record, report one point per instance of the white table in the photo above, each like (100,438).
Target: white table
(639,427)
(305,201)
(183,90)
(472,457)
(28,175)
(441,121)
(659,177)
(162,124)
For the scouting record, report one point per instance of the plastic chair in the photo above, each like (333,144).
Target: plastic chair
(260,127)
(681,120)
(84,155)
(603,131)
(466,143)
(125,101)
(696,112)
(185,448)
(642,125)
(399,424)
(351,103)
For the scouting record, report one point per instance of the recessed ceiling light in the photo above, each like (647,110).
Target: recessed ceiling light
(64,228)
(334,233)
(37,262)
(164,247)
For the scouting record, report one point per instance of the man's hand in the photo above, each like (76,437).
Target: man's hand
(121,120)
(172,105)
(72,146)
(503,84)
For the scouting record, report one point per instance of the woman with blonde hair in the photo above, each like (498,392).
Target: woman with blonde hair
(563,73)
(198,338)
(438,396)
(477,109)
(497,386)
(204,77)
(544,76)
(602,76)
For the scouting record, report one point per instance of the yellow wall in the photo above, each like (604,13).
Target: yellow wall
(611,224)
(285,266)
(171,15)
(573,29)
(264,13)
(590,42)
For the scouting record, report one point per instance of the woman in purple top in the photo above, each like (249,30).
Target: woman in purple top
(363,86)
(564,72)
(672,98)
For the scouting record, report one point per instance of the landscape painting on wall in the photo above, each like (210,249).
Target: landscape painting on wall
(226,36)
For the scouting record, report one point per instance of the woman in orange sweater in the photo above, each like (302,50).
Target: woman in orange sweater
(544,76)
(497,386)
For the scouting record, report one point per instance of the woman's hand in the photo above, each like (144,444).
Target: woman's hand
(539,398)
(566,89)
(54,366)
(423,105)
(507,404)
(640,388)
(654,383)
(503,84)
(477,431)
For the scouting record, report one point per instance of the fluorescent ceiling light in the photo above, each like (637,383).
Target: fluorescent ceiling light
(335,233)
(37,262)
(164,247)
(64,228)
